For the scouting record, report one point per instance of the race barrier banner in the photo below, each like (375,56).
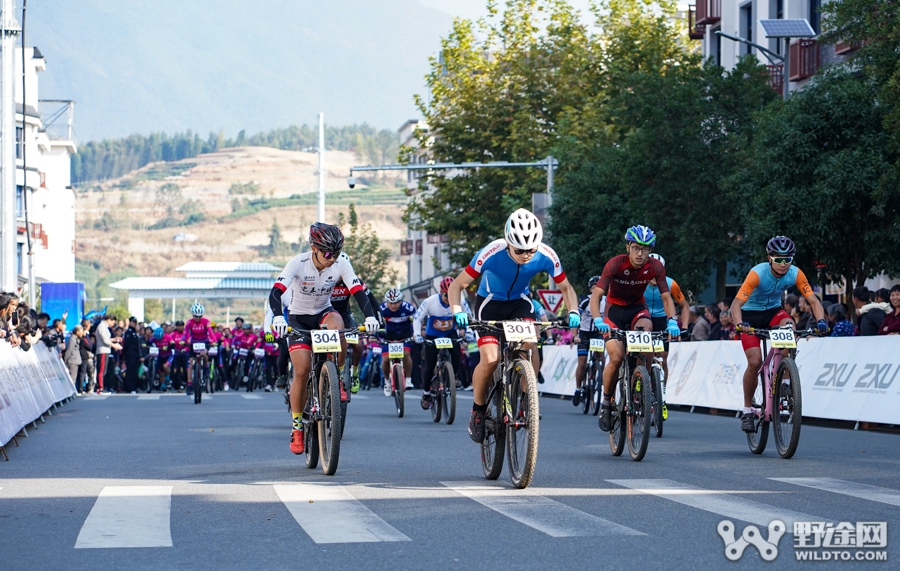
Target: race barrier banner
(30,383)
(845,378)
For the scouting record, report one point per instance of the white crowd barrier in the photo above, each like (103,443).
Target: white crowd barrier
(30,383)
(842,378)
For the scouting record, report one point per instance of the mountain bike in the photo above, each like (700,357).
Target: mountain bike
(322,411)
(256,374)
(240,365)
(152,373)
(513,411)
(352,338)
(593,387)
(396,353)
(371,371)
(630,419)
(778,398)
(216,370)
(199,372)
(443,382)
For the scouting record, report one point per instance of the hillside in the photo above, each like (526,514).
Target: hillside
(118,222)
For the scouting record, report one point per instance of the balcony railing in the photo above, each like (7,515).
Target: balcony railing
(708,12)
(804,59)
(843,48)
(776,77)
(695,32)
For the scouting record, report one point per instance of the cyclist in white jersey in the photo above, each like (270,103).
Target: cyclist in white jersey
(309,279)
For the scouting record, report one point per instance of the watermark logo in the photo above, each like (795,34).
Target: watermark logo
(768,548)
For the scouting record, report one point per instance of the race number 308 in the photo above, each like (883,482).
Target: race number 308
(783,338)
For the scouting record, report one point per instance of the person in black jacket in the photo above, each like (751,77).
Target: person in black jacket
(86,368)
(870,314)
(131,351)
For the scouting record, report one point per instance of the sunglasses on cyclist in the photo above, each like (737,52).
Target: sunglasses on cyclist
(783,261)
(519,252)
(329,255)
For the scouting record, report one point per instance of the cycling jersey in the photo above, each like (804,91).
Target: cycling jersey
(397,324)
(762,289)
(624,284)
(198,331)
(179,340)
(653,298)
(340,300)
(587,322)
(271,348)
(267,320)
(503,279)
(441,322)
(248,341)
(164,345)
(310,289)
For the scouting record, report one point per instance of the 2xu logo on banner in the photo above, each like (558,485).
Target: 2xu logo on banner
(768,548)
(876,376)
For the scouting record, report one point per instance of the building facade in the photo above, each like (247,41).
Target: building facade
(44,147)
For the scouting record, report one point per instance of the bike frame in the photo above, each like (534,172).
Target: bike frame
(767,373)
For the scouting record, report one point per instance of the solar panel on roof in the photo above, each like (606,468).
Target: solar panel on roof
(793,28)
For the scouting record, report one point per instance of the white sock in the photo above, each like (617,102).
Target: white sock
(748,410)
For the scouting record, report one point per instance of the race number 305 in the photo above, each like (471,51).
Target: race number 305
(325,341)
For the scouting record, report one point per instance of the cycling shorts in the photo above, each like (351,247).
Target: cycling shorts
(585,341)
(764,319)
(493,310)
(304,340)
(625,317)
(661,324)
(161,361)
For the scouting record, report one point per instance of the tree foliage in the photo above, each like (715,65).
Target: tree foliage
(370,260)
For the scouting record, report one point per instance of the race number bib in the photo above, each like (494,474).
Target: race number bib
(199,346)
(376,350)
(154,351)
(259,353)
(520,331)
(243,352)
(395,350)
(443,343)
(658,346)
(783,338)
(639,341)
(213,351)
(597,346)
(325,341)
(352,338)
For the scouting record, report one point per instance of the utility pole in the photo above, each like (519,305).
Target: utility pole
(9,29)
(321,167)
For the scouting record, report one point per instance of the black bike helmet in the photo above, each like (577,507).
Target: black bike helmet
(780,246)
(326,237)
(593,281)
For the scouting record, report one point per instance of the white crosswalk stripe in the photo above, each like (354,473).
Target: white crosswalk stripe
(148,397)
(97,397)
(251,397)
(128,516)
(847,488)
(328,513)
(724,504)
(539,512)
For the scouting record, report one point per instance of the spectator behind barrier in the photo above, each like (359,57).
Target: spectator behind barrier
(699,326)
(870,314)
(891,323)
(883,295)
(790,306)
(728,330)
(804,315)
(715,328)
(840,325)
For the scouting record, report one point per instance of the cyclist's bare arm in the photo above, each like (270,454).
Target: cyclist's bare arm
(454,292)
(569,296)
(668,305)
(596,296)
(806,291)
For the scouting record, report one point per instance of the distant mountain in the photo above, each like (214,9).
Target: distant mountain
(137,67)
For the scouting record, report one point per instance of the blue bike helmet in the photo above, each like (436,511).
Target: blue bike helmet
(641,235)
(780,246)
(158,333)
(593,281)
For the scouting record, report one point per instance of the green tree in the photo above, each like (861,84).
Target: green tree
(370,260)
(168,199)
(815,173)
(277,245)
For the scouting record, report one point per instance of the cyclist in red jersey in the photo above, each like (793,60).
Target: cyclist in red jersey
(623,281)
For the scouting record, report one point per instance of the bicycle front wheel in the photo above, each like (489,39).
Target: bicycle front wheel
(787,413)
(399,387)
(330,422)
(198,382)
(617,421)
(639,418)
(494,434)
(656,401)
(523,428)
(448,395)
(437,390)
(758,438)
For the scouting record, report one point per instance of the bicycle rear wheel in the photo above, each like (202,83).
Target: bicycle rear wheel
(448,395)
(757,439)
(524,427)
(330,424)
(587,397)
(639,418)
(494,433)
(617,424)
(399,387)
(656,402)
(787,414)
(596,386)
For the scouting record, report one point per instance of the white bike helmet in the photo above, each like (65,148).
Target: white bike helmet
(523,230)
(660,258)
(393,295)
(197,310)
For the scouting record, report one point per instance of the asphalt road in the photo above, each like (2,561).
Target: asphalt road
(215,486)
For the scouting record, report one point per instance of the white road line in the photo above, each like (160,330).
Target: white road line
(97,397)
(716,502)
(844,487)
(538,512)
(328,513)
(251,397)
(148,397)
(128,516)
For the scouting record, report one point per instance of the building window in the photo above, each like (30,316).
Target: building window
(20,201)
(815,17)
(778,8)
(20,141)
(716,50)
(20,255)
(746,26)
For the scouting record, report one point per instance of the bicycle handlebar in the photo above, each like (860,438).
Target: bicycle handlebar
(764,333)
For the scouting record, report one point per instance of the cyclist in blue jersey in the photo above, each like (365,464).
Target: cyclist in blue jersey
(758,305)
(653,299)
(506,267)
(397,314)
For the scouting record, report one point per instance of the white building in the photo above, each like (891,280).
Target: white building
(741,18)
(428,258)
(47,148)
